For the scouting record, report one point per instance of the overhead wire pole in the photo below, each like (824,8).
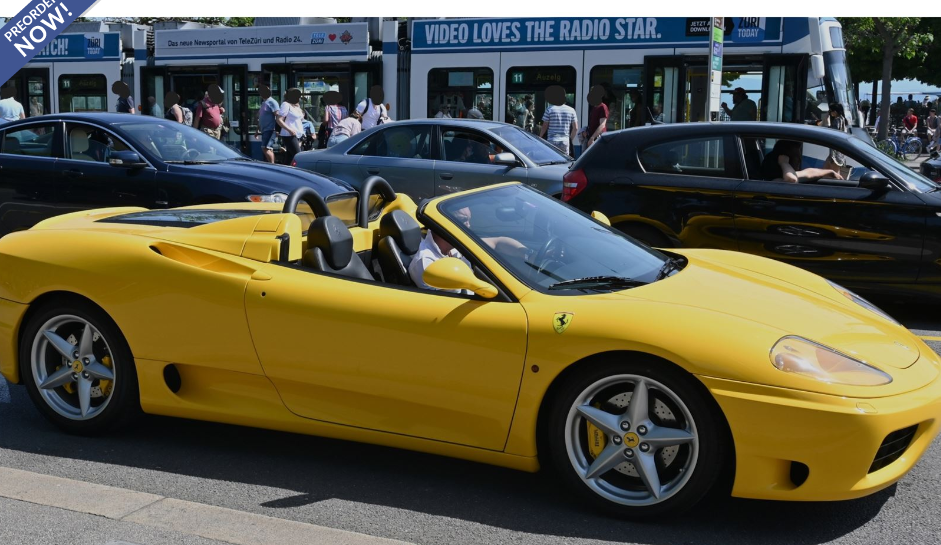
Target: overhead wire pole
(714,96)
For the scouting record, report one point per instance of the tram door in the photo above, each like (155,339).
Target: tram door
(784,78)
(234,85)
(664,101)
(32,90)
(154,84)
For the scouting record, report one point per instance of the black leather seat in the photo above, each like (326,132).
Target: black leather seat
(399,239)
(330,249)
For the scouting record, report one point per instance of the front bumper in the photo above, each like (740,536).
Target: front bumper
(836,438)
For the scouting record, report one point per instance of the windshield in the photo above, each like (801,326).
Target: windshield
(914,180)
(547,244)
(537,149)
(839,84)
(175,143)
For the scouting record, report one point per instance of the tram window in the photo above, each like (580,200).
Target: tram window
(313,87)
(623,86)
(36,87)
(455,91)
(83,93)
(526,88)
(748,78)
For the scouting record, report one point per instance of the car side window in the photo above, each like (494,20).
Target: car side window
(811,156)
(90,143)
(469,147)
(407,142)
(694,157)
(33,141)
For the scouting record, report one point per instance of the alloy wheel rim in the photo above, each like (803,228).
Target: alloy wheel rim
(651,445)
(73,367)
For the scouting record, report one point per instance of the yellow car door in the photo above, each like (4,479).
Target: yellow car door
(405,361)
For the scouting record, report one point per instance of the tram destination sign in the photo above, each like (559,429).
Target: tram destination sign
(543,33)
(349,39)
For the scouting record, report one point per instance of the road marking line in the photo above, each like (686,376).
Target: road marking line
(929,338)
(4,391)
(208,521)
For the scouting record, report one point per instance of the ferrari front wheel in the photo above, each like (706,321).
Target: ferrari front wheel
(78,368)
(637,439)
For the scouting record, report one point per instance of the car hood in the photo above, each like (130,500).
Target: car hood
(265,177)
(786,298)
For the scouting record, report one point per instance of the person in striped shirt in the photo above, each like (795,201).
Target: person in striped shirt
(559,122)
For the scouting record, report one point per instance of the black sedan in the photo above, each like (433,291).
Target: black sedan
(55,164)
(869,222)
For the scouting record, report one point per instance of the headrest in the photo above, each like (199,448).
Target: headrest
(78,141)
(403,229)
(334,240)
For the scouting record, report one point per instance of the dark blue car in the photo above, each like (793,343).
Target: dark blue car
(56,164)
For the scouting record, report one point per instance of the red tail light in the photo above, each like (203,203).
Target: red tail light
(293,162)
(573,183)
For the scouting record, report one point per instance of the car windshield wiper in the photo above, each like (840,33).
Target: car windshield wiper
(597,282)
(670,265)
(194,162)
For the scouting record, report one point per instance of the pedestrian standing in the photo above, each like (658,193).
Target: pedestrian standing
(126,103)
(175,111)
(209,116)
(598,116)
(347,127)
(290,118)
(267,123)
(559,122)
(372,109)
(933,122)
(10,109)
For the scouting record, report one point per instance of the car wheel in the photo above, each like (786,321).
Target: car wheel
(637,439)
(644,233)
(78,368)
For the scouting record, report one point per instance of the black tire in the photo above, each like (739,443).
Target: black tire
(124,403)
(645,233)
(714,446)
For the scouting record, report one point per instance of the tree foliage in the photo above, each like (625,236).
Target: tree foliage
(891,38)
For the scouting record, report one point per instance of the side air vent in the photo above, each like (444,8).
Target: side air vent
(893,447)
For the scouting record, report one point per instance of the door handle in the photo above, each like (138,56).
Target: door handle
(73,173)
(372,170)
(445,175)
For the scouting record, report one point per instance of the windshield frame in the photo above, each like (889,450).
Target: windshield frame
(187,132)
(502,130)
(501,261)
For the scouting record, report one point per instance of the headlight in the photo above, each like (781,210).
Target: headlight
(278,198)
(862,302)
(809,359)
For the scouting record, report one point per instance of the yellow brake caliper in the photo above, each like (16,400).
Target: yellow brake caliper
(596,438)
(106,385)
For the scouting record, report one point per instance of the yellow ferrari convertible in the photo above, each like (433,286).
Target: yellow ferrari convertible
(497,325)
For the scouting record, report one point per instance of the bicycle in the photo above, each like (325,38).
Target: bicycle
(898,145)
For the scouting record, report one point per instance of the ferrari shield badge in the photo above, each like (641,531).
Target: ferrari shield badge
(561,321)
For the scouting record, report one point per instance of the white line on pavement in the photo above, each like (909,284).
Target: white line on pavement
(208,521)
(4,391)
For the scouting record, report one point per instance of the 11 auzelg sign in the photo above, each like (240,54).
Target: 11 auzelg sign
(584,31)
(306,40)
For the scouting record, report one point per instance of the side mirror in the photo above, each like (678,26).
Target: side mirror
(451,273)
(874,181)
(601,217)
(126,159)
(817,66)
(505,158)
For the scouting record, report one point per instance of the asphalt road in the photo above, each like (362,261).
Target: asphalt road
(410,496)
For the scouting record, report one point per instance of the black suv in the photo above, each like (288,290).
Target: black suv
(55,164)
(701,185)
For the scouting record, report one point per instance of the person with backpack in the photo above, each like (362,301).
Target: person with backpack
(209,116)
(372,109)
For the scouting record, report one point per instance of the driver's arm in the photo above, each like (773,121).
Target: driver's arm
(507,246)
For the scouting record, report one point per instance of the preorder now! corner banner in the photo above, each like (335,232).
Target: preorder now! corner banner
(33,28)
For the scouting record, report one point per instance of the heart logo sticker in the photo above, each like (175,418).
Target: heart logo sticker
(332,37)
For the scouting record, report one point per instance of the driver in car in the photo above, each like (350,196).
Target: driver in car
(434,247)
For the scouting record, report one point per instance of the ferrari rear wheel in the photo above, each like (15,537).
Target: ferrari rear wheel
(637,439)
(78,368)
